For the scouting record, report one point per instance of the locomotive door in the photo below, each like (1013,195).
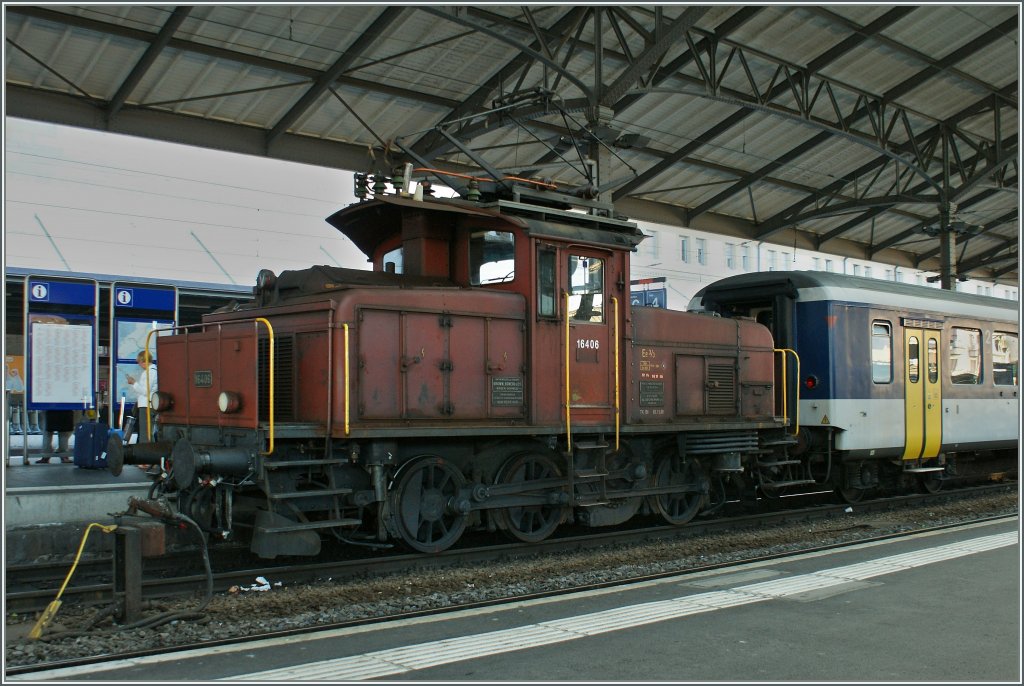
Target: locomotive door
(590,344)
(922,394)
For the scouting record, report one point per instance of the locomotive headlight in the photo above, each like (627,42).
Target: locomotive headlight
(228,402)
(161,401)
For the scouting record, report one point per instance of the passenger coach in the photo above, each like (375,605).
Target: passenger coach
(894,379)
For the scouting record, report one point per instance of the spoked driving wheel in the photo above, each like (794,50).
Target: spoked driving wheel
(681,505)
(422,512)
(529,523)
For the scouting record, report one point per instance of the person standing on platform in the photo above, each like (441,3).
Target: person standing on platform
(147,364)
(62,423)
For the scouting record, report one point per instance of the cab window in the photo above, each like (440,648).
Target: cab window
(392,261)
(586,288)
(546,283)
(491,257)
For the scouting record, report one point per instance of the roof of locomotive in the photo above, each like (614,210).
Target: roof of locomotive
(809,286)
(369,223)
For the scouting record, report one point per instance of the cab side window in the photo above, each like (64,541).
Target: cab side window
(491,257)
(586,288)
(547,290)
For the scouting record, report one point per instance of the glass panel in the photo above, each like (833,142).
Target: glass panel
(913,358)
(491,257)
(1005,358)
(546,291)
(965,356)
(881,352)
(933,360)
(586,289)
(393,261)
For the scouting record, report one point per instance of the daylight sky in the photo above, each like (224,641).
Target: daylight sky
(91,202)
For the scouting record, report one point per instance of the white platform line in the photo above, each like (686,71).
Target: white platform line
(394,661)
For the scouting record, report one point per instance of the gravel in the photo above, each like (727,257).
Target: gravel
(247,612)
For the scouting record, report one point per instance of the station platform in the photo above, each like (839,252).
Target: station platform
(47,506)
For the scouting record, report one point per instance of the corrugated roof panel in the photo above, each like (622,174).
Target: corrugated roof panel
(942,29)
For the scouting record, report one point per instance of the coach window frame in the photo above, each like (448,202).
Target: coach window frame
(886,327)
(970,338)
(1012,368)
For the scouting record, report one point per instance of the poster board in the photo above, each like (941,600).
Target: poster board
(62,363)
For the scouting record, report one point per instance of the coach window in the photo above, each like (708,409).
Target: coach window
(965,356)
(1005,359)
(546,283)
(913,358)
(586,288)
(491,257)
(933,360)
(881,352)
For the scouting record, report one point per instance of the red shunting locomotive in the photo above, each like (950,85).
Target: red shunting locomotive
(489,373)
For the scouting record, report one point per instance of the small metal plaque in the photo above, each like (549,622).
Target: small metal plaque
(652,393)
(202,378)
(506,391)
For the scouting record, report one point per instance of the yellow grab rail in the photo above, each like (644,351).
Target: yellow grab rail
(785,381)
(270,329)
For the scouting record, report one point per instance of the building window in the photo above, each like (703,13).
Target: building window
(787,261)
(817,263)
(867,271)
(856,270)
(888,275)
(649,246)
(773,260)
(965,355)
(730,255)
(881,352)
(828,265)
(702,251)
(899,276)
(686,249)
(745,258)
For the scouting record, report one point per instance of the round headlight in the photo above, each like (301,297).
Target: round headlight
(228,402)
(161,401)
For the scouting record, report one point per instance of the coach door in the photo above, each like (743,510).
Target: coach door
(923,393)
(590,345)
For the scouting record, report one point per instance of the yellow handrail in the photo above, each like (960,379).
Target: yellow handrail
(270,329)
(785,381)
(615,333)
(347,380)
(149,399)
(568,392)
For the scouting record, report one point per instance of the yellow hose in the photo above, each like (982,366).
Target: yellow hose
(51,610)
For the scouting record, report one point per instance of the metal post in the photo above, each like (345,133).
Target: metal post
(128,572)
(947,241)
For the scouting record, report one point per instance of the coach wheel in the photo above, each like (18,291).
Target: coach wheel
(930,482)
(529,523)
(421,505)
(851,495)
(680,506)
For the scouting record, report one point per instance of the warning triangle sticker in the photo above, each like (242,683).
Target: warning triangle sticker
(824,420)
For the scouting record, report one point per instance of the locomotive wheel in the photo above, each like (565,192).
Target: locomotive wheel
(529,523)
(851,495)
(680,507)
(420,500)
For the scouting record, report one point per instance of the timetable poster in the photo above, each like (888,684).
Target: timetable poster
(62,364)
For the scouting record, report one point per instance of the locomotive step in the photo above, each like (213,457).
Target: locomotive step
(780,463)
(588,474)
(270,464)
(306,526)
(781,441)
(921,470)
(310,494)
(590,445)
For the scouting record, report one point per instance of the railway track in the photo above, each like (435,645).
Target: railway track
(30,587)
